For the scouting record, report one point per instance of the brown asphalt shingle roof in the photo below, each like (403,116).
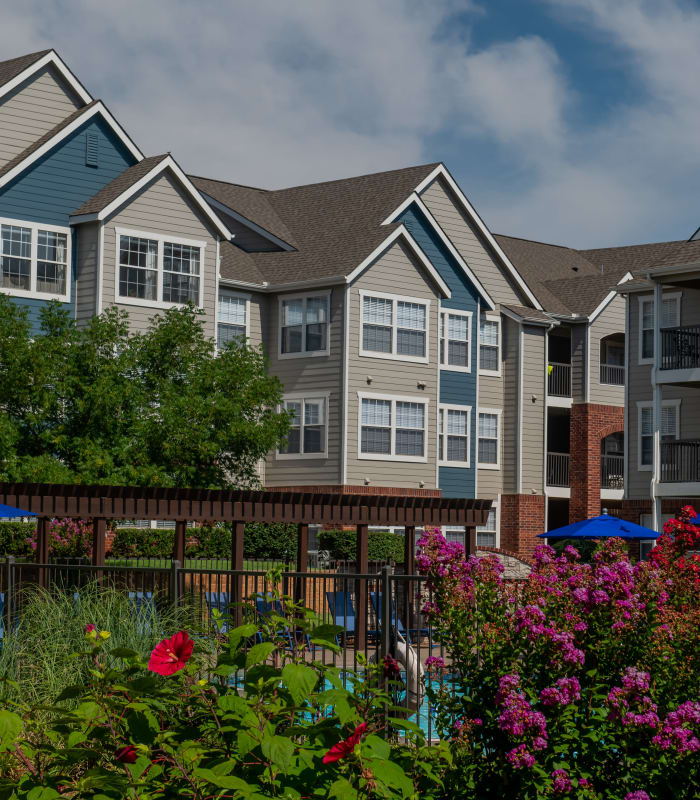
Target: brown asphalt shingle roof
(237,265)
(631,258)
(15,66)
(528,314)
(118,185)
(585,293)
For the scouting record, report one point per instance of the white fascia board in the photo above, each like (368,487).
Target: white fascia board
(415,198)
(56,61)
(441,170)
(167,163)
(243,284)
(609,297)
(245,221)
(401,232)
(98,108)
(552,323)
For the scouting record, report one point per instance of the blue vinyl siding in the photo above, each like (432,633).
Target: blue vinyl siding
(57,184)
(456,388)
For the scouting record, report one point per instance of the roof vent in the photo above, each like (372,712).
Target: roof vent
(92,150)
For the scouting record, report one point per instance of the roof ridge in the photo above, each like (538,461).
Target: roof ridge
(626,246)
(34,56)
(356,177)
(536,241)
(228,183)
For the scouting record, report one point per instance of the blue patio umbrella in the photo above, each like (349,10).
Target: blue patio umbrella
(602,527)
(11,511)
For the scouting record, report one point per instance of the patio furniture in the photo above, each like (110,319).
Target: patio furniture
(221,602)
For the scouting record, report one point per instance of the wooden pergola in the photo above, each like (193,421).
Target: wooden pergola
(103,503)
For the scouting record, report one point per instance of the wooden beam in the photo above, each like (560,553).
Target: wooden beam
(237,534)
(179,541)
(302,561)
(409,550)
(470,540)
(42,548)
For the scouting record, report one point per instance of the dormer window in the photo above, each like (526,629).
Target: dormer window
(34,260)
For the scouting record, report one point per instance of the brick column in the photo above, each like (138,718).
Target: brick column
(590,423)
(522,518)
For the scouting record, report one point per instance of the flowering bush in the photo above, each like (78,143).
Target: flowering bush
(253,719)
(582,681)
(68,538)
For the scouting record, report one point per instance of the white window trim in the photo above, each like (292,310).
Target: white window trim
(395,298)
(498,412)
(491,372)
(458,464)
(650,404)
(240,296)
(161,239)
(310,395)
(303,296)
(456,313)
(496,506)
(394,398)
(641,299)
(35,227)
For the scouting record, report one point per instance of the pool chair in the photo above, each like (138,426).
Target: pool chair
(396,624)
(342,611)
(145,606)
(219,601)
(265,607)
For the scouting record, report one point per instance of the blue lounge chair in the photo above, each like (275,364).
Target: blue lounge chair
(144,605)
(265,606)
(396,624)
(221,602)
(342,611)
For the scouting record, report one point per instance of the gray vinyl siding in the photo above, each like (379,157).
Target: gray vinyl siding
(244,237)
(311,376)
(31,110)
(469,242)
(578,362)
(533,400)
(258,313)
(86,274)
(395,272)
(160,208)
(610,320)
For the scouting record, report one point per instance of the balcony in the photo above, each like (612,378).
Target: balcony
(612,374)
(558,469)
(612,472)
(680,461)
(559,381)
(680,347)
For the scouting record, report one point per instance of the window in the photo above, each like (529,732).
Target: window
(34,260)
(158,270)
(486,535)
(232,324)
(392,428)
(453,435)
(669,429)
(489,424)
(455,334)
(304,325)
(307,435)
(489,345)
(670,318)
(393,327)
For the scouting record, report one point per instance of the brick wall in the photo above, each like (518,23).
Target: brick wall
(522,518)
(590,423)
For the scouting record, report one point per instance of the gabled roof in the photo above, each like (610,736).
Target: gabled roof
(17,70)
(583,294)
(634,258)
(132,180)
(531,315)
(58,133)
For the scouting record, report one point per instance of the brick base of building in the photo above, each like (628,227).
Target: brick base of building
(522,518)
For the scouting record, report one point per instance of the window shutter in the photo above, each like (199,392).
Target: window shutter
(668,421)
(91,150)
(669,312)
(647,421)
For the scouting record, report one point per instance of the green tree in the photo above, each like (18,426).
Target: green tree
(156,408)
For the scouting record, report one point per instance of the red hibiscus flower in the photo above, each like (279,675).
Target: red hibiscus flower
(90,628)
(171,655)
(126,754)
(344,748)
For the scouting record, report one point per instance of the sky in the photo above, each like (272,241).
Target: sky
(575,122)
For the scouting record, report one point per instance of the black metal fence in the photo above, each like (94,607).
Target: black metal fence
(680,461)
(559,379)
(680,347)
(612,472)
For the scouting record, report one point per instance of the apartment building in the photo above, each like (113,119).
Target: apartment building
(420,353)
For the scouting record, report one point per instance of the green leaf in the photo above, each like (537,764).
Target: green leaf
(70,692)
(123,652)
(75,738)
(89,711)
(392,775)
(42,793)
(278,750)
(10,729)
(342,789)
(300,681)
(259,653)
(246,742)
(223,781)
(377,747)
(232,703)
(143,725)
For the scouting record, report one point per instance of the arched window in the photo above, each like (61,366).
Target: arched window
(612,359)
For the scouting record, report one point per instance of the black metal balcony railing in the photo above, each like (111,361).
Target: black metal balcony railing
(558,469)
(560,380)
(613,374)
(612,472)
(680,347)
(680,461)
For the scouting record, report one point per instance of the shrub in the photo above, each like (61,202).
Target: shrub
(16,539)
(273,541)
(582,680)
(143,543)
(210,541)
(381,545)
(68,538)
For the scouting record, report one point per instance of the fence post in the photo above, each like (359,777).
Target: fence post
(385,594)
(362,568)
(9,592)
(42,549)
(175,582)
(238,587)
(302,561)
(179,541)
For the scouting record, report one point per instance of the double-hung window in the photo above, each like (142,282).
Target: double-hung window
(489,345)
(455,339)
(307,434)
(304,325)
(393,327)
(670,410)
(487,535)
(34,260)
(670,318)
(392,428)
(158,270)
(489,435)
(232,322)
(453,435)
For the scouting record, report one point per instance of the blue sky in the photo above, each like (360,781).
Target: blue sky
(570,121)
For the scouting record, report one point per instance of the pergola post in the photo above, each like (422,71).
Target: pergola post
(362,567)
(179,542)
(237,533)
(99,529)
(409,565)
(302,561)
(42,548)
(470,540)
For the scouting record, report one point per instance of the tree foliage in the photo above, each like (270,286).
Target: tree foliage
(100,405)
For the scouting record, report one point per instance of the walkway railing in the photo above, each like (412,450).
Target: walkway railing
(612,472)
(680,347)
(558,469)
(680,461)
(612,374)
(559,381)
